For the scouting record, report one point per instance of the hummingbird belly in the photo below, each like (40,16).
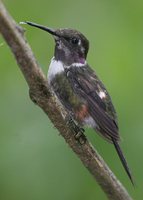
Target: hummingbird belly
(71,102)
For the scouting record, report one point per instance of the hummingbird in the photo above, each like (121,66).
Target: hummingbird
(79,89)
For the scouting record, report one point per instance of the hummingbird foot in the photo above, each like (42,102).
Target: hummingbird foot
(79,131)
(79,135)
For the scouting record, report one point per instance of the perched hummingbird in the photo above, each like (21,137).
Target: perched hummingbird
(79,89)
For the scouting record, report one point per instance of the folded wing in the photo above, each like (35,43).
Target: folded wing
(87,86)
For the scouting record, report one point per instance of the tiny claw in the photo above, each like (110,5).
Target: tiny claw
(79,132)
(82,139)
(69,120)
(79,135)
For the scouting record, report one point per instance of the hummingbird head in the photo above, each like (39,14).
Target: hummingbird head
(71,46)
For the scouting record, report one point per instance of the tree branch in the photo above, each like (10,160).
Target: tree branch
(40,93)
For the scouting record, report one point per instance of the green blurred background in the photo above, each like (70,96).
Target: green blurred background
(35,162)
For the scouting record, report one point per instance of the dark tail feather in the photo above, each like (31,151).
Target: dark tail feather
(123,160)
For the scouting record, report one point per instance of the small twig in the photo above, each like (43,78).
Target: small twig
(41,95)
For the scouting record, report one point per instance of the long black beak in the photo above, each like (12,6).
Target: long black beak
(49,30)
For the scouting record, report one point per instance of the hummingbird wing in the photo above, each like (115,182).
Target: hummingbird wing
(87,86)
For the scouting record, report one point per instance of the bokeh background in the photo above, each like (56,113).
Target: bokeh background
(35,161)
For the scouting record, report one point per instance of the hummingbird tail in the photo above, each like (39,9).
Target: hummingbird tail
(123,160)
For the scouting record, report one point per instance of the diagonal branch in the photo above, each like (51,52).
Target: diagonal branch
(40,93)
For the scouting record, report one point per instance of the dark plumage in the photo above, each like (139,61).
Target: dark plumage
(79,89)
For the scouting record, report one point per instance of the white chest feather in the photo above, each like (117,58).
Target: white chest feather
(56,67)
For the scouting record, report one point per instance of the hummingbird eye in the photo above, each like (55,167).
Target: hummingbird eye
(74,40)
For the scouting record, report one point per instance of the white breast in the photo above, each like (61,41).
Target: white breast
(56,67)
